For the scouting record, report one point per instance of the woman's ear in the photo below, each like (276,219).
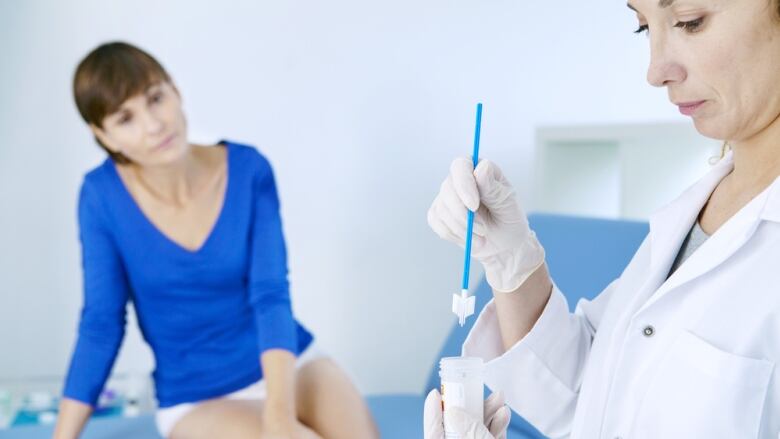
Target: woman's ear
(101,136)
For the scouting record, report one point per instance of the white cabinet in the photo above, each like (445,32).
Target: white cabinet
(617,171)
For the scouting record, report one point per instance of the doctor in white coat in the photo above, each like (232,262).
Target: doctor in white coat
(686,342)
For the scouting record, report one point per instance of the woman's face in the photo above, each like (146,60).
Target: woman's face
(722,53)
(149,128)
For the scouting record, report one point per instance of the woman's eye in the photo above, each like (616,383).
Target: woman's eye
(157,97)
(641,28)
(690,26)
(123,120)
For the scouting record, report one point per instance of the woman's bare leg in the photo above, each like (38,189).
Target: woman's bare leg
(220,418)
(329,403)
(326,402)
(225,419)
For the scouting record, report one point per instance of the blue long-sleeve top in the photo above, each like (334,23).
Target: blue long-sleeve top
(207,314)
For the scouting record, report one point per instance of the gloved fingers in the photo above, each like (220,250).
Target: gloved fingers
(487,172)
(494,402)
(432,417)
(462,174)
(453,213)
(479,224)
(440,227)
(494,189)
(453,203)
(466,426)
(456,228)
(458,211)
(440,219)
(499,423)
(479,249)
(484,217)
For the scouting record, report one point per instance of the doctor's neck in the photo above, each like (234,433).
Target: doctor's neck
(757,159)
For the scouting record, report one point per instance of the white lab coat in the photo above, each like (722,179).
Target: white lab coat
(690,357)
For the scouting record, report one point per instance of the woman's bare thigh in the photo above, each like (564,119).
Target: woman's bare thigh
(223,418)
(329,403)
(326,402)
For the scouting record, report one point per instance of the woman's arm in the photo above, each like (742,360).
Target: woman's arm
(279,374)
(102,324)
(269,289)
(73,415)
(269,296)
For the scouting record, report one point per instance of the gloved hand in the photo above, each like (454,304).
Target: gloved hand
(502,241)
(492,427)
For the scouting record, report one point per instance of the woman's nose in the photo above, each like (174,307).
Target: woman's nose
(153,122)
(664,68)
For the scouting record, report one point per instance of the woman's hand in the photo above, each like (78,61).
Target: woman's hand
(503,242)
(494,425)
(279,413)
(285,427)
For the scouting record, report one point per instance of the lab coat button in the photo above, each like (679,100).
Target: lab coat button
(648,331)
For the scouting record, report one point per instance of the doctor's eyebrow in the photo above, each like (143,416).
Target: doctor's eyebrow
(661,4)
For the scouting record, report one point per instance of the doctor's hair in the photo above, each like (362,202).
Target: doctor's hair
(108,76)
(724,149)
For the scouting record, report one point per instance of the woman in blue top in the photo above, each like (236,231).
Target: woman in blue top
(192,236)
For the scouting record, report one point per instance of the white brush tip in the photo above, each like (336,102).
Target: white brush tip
(463,307)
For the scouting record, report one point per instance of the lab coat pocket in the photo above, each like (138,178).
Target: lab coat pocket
(700,391)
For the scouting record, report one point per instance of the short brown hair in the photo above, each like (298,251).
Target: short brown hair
(108,76)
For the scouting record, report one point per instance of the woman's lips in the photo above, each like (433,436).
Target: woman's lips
(688,108)
(165,143)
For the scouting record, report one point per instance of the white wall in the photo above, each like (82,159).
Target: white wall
(360,105)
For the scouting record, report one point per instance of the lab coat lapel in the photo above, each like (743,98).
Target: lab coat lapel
(771,210)
(670,225)
(725,242)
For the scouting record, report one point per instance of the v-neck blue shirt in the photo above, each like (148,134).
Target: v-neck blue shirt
(207,314)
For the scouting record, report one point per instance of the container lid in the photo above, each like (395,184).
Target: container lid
(461,363)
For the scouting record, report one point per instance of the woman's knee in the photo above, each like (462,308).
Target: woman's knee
(221,418)
(329,403)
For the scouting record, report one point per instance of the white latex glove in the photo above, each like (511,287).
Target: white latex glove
(502,242)
(494,425)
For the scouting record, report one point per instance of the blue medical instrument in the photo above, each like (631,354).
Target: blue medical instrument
(463,305)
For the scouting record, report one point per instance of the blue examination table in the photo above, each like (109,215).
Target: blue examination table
(584,255)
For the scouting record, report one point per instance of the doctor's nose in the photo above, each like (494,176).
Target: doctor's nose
(664,69)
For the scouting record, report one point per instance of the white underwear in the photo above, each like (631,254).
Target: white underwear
(166,418)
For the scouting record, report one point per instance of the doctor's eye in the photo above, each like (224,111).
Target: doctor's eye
(642,28)
(690,26)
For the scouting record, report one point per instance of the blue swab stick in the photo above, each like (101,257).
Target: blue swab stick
(463,305)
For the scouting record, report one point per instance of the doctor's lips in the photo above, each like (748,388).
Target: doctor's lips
(688,108)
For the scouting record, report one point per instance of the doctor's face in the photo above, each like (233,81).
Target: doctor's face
(718,59)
